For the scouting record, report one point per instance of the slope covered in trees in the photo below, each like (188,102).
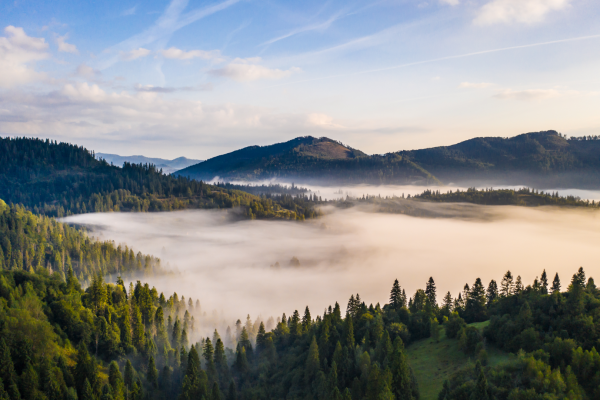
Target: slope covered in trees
(59,179)
(109,342)
(542,159)
(31,243)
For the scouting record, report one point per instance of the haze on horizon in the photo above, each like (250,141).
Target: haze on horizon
(197,79)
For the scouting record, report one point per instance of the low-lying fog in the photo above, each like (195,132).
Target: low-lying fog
(231,266)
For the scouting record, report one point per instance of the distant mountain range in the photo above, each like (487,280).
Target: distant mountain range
(168,166)
(539,159)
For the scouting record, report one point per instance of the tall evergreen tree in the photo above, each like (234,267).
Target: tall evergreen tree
(430,291)
(401,376)
(507,286)
(544,282)
(556,284)
(396,295)
(152,373)
(312,366)
(492,292)
(306,320)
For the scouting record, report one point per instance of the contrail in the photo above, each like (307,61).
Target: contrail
(476,53)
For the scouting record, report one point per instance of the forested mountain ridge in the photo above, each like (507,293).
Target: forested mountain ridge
(59,179)
(167,166)
(539,158)
(309,159)
(546,159)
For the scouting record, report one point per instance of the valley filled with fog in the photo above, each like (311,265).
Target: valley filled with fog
(266,268)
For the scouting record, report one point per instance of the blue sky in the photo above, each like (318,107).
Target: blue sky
(199,78)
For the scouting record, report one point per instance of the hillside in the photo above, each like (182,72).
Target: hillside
(167,166)
(539,159)
(59,179)
(309,159)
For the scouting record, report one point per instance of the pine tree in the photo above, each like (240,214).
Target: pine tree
(215,394)
(232,393)
(306,320)
(220,360)
(507,284)
(556,284)
(492,292)
(260,338)
(129,372)
(349,333)
(544,282)
(295,326)
(152,374)
(430,291)
(208,354)
(312,366)
(87,393)
(518,285)
(401,376)
(396,295)
(579,278)
(138,337)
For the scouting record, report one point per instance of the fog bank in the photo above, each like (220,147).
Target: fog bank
(231,266)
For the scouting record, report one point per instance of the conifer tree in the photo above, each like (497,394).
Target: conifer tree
(544,282)
(152,373)
(349,333)
(306,320)
(430,291)
(492,292)
(87,393)
(260,338)
(556,284)
(232,393)
(481,390)
(401,376)
(312,366)
(295,325)
(396,295)
(129,373)
(208,354)
(507,286)
(518,285)
(138,337)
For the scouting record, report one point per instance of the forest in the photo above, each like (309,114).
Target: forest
(60,179)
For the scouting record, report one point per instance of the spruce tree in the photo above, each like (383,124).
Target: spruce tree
(544,282)
(7,372)
(312,365)
(481,390)
(260,338)
(430,291)
(232,392)
(349,333)
(506,285)
(492,292)
(396,295)
(306,320)
(401,376)
(152,373)
(556,284)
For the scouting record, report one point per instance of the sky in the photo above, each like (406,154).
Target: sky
(201,78)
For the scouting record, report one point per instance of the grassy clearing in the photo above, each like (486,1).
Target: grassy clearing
(434,362)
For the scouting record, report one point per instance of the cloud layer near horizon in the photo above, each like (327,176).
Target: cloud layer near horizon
(231,266)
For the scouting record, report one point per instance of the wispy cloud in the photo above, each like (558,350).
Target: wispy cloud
(244,70)
(134,54)
(169,22)
(313,27)
(85,71)
(450,2)
(520,11)
(174,53)
(63,46)
(129,11)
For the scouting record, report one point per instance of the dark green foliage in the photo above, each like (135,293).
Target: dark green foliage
(59,179)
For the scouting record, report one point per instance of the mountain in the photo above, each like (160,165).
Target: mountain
(540,159)
(58,179)
(167,166)
(311,160)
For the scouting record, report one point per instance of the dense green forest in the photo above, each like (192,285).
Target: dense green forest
(543,159)
(59,179)
(31,243)
(109,342)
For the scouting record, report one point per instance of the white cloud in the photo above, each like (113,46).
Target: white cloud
(178,54)
(244,70)
(63,46)
(86,71)
(530,94)
(450,2)
(481,85)
(322,121)
(521,11)
(134,54)
(17,52)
